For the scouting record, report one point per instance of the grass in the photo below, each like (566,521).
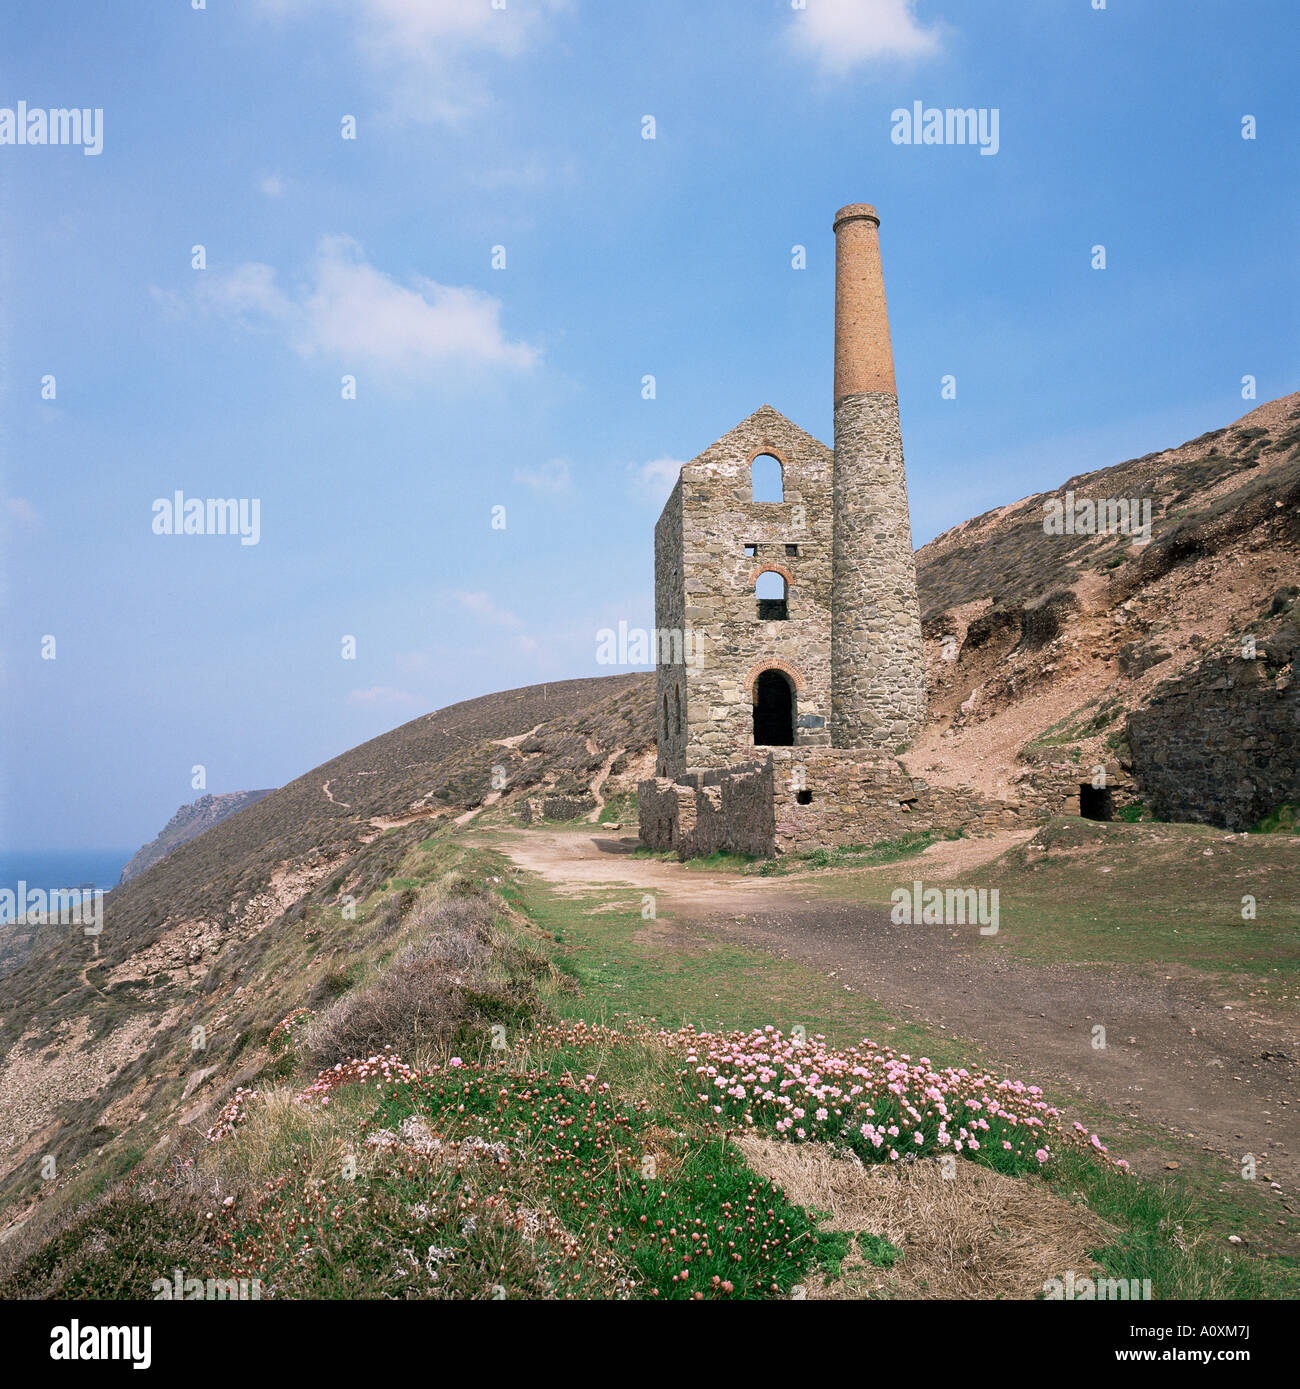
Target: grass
(1174,1231)
(322,1204)
(877,1250)
(1284,820)
(1146,894)
(626,973)
(860,855)
(1169,1236)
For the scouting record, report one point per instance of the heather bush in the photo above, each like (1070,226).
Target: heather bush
(456,975)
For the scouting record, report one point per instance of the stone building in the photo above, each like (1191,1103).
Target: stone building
(790,665)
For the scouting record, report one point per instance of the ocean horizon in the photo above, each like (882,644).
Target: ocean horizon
(55,868)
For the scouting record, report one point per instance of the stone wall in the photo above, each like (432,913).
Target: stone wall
(670,617)
(536,808)
(877,656)
(718,519)
(1222,745)
(850,799)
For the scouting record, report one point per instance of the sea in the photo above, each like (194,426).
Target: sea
(51,868)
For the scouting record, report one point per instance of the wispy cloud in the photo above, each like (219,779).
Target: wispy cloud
(535,175)
(842,34)
(482,606)
(271,185)
(547,479)
(346,309)
(20,514)
(430,55)
(653,481)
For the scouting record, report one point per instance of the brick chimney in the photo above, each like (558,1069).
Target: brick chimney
(877,661)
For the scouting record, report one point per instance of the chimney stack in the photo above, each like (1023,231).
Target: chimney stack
(864,358)
(877,661)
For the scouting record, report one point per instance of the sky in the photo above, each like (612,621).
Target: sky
(497,261)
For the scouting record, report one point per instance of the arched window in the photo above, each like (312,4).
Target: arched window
(766,479)
(667,726)
(773,710)
(677,702)
(770,590)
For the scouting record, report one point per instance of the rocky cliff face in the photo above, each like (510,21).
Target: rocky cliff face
(1042,638)
(189,822)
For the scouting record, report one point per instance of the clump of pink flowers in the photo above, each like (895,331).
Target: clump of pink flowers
(232,1113)
(883,1105)
(386,1068)
(282,1033)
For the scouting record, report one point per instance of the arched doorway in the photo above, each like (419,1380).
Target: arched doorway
(773,710)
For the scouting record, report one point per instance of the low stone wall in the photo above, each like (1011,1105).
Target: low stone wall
(848,798)
(537,808)
(1221,746)
(665,812)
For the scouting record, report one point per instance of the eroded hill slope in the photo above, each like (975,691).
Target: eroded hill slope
(1040,645)
(105,1036)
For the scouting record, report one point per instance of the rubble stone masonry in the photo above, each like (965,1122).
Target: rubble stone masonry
(705,581)
(877,656)
(877,659)
(1220,746)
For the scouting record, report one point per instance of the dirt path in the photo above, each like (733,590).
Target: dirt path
(598,782)
(1212,1070)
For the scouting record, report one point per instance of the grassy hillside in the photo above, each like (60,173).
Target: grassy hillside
(204,952)
(344,913)
(1205,495)
(535,1139)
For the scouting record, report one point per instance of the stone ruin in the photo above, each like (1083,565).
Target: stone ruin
(790,668)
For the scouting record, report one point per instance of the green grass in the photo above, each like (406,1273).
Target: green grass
(878,1251)
(859,855)
(1170,1235)
(1173,1231)
(1145,894)
(627,970)
(1283,820)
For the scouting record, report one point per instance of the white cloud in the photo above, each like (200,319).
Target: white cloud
(427,52)
(482,606)
(841,34)
(348,310)
(271,184)
(551,478)
(382,697)
(22,513)
(653,481)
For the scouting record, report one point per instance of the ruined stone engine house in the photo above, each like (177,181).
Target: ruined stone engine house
(787,569)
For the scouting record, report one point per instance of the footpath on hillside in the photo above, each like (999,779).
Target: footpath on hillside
(1205,1068)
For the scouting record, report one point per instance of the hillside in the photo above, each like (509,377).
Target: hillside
(1040,646)
(98,1032)
(188,823)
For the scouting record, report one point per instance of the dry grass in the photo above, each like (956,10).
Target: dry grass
(975,1235)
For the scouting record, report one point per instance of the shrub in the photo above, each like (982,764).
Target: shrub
(437,990)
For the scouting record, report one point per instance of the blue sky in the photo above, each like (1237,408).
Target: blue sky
(520,387)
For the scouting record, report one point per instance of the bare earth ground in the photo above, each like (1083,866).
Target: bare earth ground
(1176,1058)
